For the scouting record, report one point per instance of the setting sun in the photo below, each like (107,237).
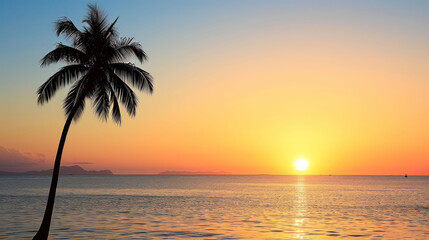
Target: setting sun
(301,164)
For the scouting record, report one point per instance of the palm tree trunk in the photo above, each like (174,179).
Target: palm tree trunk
(43,232)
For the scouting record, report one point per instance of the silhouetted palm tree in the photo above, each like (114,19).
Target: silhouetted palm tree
(98,70)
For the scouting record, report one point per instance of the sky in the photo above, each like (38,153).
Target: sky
(244,87)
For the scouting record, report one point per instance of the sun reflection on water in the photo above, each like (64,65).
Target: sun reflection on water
(300,206)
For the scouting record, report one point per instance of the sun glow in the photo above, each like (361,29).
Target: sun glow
(301,164)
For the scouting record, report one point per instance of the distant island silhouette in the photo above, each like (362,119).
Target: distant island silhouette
(65,170)
(193,173)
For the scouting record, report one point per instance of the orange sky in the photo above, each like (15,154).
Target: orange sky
(349,94)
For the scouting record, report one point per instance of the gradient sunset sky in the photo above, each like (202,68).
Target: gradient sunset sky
(245,87)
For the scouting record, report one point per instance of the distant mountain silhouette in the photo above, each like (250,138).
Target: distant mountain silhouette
(67,170)
(192,173)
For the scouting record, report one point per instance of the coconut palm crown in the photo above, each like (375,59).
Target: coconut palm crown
(97,67)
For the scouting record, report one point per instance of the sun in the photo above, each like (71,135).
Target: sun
(301,164)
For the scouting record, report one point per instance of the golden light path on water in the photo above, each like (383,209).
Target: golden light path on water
(300,207)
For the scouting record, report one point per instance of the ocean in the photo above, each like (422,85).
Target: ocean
(218,207)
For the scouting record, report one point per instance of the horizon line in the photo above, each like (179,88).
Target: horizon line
(156,174)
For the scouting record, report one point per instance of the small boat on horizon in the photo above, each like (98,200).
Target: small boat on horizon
(405,175)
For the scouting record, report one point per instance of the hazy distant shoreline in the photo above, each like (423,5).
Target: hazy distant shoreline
(65,170)
(193,173)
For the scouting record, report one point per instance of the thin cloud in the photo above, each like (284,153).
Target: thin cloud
(13,160)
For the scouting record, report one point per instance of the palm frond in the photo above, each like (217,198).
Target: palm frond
(125,93)
(76,98)
(136,76)
(116,112)
(61,78)
(66,27)
(125,48)
(101,102)
(96,19)
(63,53)
(111,32)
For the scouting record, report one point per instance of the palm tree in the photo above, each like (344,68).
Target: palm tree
(97,69)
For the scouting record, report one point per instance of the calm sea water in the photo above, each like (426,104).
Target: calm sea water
(218,207)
